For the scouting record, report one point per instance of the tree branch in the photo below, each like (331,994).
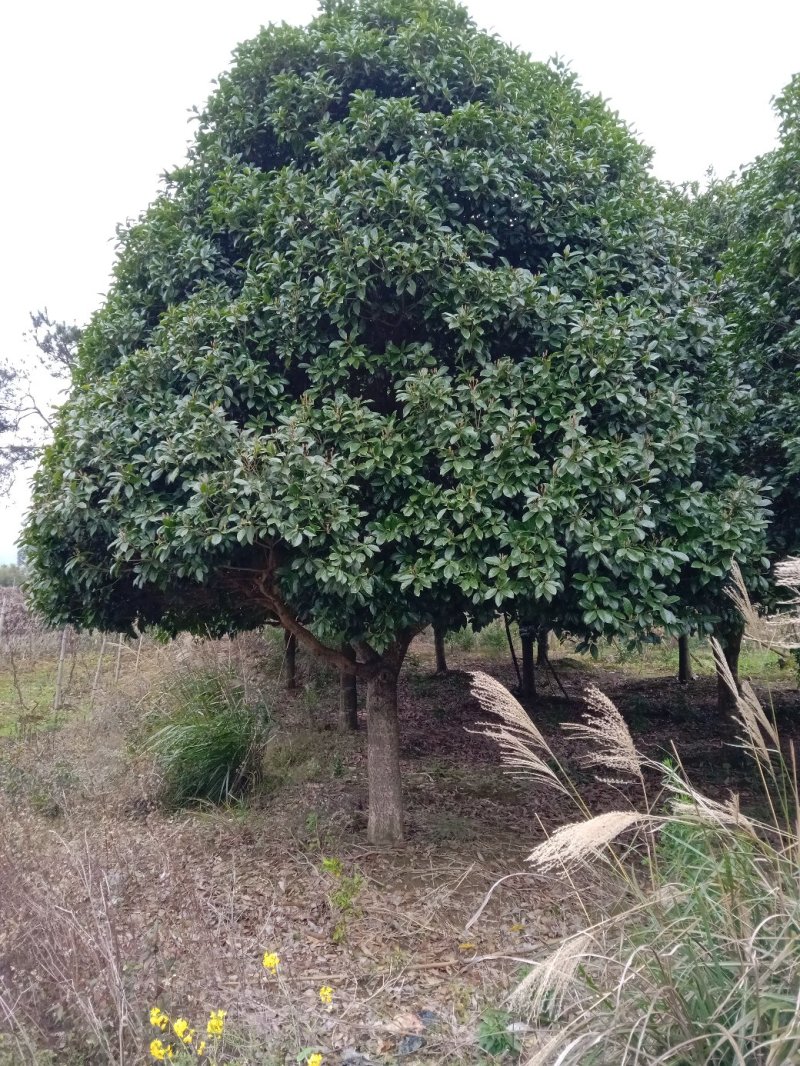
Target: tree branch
(362,670)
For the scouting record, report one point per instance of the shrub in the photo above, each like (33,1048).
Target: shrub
(209,739)
(463,639)
(493,637)
(699,962)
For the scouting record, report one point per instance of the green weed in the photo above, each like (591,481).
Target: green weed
(207,739)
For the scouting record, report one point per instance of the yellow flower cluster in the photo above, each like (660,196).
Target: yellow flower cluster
(216,1022)
(184,1032)
(158,1018)
(326,995)
(271,961)
(314,1060)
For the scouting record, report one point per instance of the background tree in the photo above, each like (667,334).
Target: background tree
(408,337)
(747,244)
(11,575)
(26,395)
(760,261)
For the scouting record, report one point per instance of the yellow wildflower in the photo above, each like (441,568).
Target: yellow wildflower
(182,1029)
(158,1018)
(314,1060)
(201,1047)
(216,1022)
(271,961)
(157,1050)
(326,995)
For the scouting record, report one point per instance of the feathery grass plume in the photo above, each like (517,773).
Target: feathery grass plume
(692,806)
(787,625)
(577,841)
(496,699)
(517,736)
(604,726)
(548,984)
(749,712)
(701,963)
(780,631)
(756,626)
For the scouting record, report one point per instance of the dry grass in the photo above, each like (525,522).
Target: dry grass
(111,904)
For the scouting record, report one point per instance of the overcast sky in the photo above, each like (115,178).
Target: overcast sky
(95,99)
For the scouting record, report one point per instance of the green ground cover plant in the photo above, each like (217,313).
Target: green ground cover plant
(207,737)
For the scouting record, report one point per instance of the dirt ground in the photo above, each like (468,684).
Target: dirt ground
(111,905)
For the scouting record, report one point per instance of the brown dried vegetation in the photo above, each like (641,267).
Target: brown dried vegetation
(111,905)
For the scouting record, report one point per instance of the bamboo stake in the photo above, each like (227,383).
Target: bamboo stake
(97,671)
(119,658)
(60,670)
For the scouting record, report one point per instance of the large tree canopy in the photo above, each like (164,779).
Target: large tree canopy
(407,336)
(756,226)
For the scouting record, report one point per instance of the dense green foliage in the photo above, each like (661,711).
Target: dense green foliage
(760,261)
(409,336)
(747,238)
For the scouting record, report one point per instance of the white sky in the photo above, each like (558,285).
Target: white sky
(94,99)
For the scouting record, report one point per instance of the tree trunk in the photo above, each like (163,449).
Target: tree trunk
(348,696)
(385,824)
(290,658)
(684,660)
(438,640)
(543,647)
(528,687)
(731,642)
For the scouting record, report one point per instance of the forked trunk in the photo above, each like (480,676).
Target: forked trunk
(684,660)
(528,686)
(438,641)
(348,696)
(290,658)
(385,824)
(731,643)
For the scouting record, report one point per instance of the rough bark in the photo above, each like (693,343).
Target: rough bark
(438,640)
(290,659)
(731,643)
(348,696)
(385,824)
(684,660)
(528,686)
(543,647)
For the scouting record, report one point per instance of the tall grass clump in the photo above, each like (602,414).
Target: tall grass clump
(207,736)
(699,961)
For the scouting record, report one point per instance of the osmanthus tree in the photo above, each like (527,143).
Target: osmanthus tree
(746,233)
(759,222)
(408,337)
